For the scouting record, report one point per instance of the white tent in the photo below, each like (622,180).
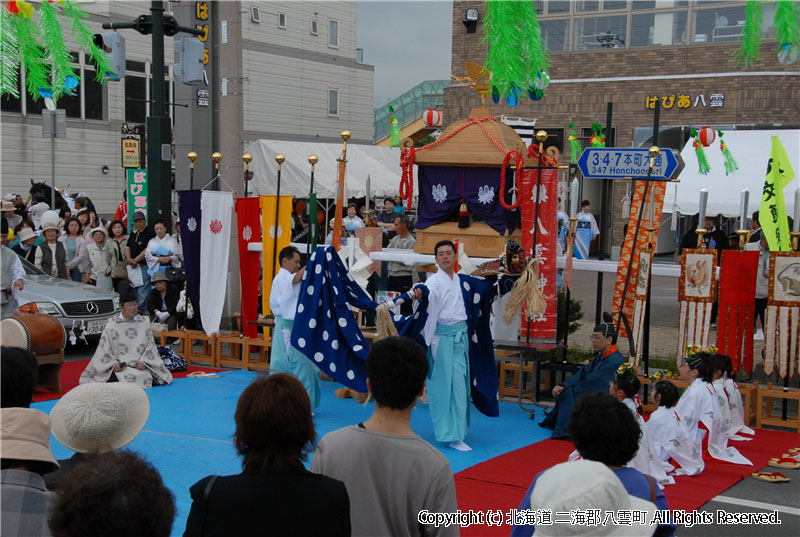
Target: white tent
(751,150)
(381,164)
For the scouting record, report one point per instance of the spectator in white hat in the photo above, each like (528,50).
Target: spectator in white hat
(26,248)
(51,256)
(102,259)
(10,212)
(95,418)
(25,457)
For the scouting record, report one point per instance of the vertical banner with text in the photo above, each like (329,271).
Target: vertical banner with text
(137,194)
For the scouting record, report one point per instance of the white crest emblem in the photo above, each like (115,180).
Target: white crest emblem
(247,233)
(191,224)
(543,190)
(439,193)
(272,231)
(486,194)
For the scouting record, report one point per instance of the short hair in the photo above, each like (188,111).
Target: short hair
(287,253)
(134,499)
(353,205)
(396,369)
(20,373)
(64,210)
(68,221)
(159,221)
(668,392)
(274,426)
(443,243)
(83,201)
(607,327)
(755,216)
(603,429)
(115,222)
(387,198)
(584,203)
(404,219)
(628,383)
(26,222)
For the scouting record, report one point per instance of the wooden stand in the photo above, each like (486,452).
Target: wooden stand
(179,334)
(479,240)
(50,370)
(236,357)
(764,415)
(208,354)
(263,346)
(749,396)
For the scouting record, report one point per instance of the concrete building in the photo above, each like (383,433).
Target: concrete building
(631,53)
(280,70)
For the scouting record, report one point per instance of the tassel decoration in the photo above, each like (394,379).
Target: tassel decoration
(730,163)
(574,145)
(526,290)
(9,51)
(702,161)
(61,67)
(463,215)
(750,44)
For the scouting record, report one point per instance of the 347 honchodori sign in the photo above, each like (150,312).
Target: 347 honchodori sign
(137,193)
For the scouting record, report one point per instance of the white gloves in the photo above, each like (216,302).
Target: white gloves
(162,315)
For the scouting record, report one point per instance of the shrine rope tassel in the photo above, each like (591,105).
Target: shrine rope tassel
(526,290)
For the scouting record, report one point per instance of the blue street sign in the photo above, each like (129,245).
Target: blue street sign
(621,162)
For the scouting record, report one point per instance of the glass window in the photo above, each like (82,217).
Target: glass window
(33,108)
(314,27)
(600,32)
(652,4)
(72,103)
(558,6)
(554,33)
(93,96)
(538,5)
(617,4)
(281,20)
(135,110)
(131,65)
(718,25)
(333,102)
(659,29)
(587,5)
(333,34)
(12,104)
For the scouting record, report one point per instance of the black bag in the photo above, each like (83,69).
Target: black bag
(176,275)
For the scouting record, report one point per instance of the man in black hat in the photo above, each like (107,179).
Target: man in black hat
(134,253)
(592,377)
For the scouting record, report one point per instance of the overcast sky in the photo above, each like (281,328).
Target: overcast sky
(407,42)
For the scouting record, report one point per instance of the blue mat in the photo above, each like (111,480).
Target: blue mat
(190,430)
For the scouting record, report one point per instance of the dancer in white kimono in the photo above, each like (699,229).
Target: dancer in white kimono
(698,407)
(126,350)
(669,433)
(625,388)
(730,391)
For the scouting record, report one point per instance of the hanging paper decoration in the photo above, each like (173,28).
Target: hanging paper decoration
(707,136)
(394,129)
(787,31)
(696,296)
(702,161)
(574,145)
(535,93)
(40,49)
(597,139)
(782,331)
(748,50)
(730,163)
(431,117)
(517,56)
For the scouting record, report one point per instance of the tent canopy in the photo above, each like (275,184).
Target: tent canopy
(381,164)
(751,149)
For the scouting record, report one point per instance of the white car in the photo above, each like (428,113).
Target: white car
(82,309)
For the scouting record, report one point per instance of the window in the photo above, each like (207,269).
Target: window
(360,55)
(659,29)
(282,20)
(333,34)
(558,6)
(587,5)
(72,103)
(600,32)
(314,27)
(135,95)
(93,96)
(718,25)
(333,102)
(255,14)
(650,4)
(554,33)
(617,4)
(12,104)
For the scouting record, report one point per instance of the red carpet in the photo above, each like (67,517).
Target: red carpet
(500,483)
(71,372)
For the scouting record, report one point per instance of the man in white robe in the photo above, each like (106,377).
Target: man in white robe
(126,349)
(283,303)
(13,275)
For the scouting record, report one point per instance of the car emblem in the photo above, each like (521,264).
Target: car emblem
(92,308)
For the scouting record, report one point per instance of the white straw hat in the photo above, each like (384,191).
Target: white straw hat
(98,417)
(585,485)
(26,234)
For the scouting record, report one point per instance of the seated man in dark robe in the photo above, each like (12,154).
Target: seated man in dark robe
(592,377)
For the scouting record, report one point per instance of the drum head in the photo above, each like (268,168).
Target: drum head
(15,334)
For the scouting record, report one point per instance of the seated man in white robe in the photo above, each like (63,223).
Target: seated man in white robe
(126,351)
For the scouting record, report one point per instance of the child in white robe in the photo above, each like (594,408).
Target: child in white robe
(669,433)
(625,387)
(734,399)
(699,409)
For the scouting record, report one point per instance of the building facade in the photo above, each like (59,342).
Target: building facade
(279,70)
(632,53)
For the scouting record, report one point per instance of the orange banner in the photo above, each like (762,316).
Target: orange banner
(630,251)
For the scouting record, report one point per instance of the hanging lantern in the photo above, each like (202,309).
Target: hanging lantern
(432,117)
(707,136)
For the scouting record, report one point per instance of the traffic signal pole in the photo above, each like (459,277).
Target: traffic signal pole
(159,133)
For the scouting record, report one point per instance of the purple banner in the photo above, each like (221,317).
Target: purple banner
(442,188)
(191,218)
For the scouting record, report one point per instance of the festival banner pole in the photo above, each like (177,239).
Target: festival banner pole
(280,160)
(337,226)
(192,156)
(312,209)
(247,158)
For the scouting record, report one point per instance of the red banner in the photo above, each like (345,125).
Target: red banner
(737,289)
(543,326)
(630,251)
(248,219)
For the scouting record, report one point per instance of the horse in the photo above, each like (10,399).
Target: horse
(43,192)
